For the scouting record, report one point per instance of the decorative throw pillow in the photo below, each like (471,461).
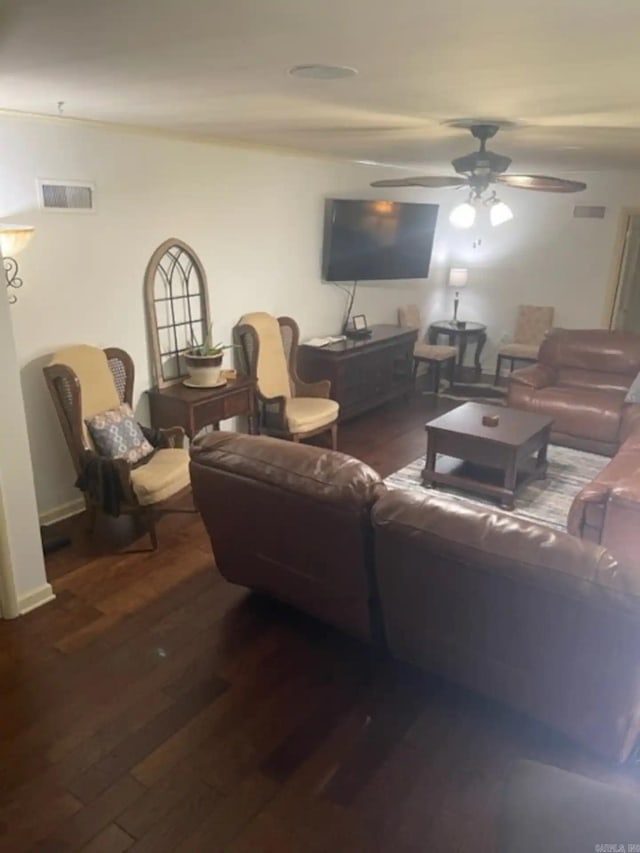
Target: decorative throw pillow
(117,435)
(633,394)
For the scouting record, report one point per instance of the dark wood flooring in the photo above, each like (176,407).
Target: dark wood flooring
(154,707)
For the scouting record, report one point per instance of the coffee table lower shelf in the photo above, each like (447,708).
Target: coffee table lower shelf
(484,480)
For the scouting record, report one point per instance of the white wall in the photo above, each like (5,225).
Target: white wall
(255,218)
(22,578)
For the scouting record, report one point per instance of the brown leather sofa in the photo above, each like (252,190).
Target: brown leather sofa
(581,380)
(291,521)
(536,618)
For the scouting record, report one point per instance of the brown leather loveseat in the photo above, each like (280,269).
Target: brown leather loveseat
(536,618)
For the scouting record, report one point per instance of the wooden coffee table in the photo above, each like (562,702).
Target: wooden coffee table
(497,461)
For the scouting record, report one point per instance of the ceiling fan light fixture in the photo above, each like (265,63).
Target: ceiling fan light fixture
(463,215)
(499,213)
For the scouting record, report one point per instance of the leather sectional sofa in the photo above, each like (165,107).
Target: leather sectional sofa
(581,381)
(542,620)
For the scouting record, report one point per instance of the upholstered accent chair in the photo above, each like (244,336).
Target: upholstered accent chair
(85,381)
(432,355)
(289,408)
(533,323)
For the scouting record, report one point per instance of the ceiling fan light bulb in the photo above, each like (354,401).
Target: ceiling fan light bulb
(463,215)
(500,213)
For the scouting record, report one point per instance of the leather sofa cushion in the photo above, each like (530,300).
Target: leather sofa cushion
(307,471)
(573,408)
(594,380)
(592,350)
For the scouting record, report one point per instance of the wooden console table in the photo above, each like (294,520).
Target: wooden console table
(364,373)
(194,408)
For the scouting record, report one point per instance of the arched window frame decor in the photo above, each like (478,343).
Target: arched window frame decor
(177,308)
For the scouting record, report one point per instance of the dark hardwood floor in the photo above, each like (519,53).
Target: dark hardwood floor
(154,707)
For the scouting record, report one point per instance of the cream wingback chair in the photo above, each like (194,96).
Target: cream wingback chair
(430,354)
(533,323)
(85,381)
(290,408)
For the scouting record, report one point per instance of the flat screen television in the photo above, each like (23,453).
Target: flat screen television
(377,240)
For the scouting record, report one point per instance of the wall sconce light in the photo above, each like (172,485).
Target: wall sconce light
(13,239)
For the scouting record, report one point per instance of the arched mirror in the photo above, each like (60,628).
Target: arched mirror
(177,308)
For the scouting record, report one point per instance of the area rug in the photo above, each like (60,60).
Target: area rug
(545,501)
(479,392)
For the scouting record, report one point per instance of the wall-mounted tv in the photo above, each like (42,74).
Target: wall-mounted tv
(377,240)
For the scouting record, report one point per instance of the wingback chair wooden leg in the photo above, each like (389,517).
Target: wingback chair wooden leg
(334,436)
(150,521)
(498,368)
(436,377)
(91,515)
(452,373)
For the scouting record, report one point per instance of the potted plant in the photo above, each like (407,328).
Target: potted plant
(204,362)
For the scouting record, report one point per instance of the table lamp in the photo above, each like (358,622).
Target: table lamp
(458,278)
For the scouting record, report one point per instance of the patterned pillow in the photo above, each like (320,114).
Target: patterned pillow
(633,394)
(117,435)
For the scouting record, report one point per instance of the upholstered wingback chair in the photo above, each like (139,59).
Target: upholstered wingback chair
(432,355)
(290,408)
(85,381)
(532,324)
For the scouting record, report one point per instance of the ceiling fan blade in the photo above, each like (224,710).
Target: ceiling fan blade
(432,181)
(541,183)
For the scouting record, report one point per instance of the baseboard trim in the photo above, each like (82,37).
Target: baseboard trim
(59,513)
(36,598)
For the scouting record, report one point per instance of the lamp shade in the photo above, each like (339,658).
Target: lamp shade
(500,213)
(463,215)
(13,239)
(458,277)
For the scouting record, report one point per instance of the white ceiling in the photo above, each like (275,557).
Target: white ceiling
(566,71)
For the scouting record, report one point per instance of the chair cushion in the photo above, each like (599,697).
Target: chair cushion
(117,435)
(305,414)
(164,475)
(520,350)
(431,352)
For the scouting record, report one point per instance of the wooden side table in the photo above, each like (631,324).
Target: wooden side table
(459,335)
(195,408)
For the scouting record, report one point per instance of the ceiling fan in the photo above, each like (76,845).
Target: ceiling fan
(481,169)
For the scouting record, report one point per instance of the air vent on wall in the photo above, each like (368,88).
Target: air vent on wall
(589,211)
(68,196)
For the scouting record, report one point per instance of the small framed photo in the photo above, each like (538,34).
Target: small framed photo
(359,322)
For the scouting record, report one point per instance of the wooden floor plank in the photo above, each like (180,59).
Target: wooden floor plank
(112,839)
(155,707)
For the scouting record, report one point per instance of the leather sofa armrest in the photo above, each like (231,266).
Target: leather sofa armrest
(630,421)
(594,493)
(621,530)
(535,376)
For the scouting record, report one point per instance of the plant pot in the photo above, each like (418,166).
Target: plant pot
(204,370)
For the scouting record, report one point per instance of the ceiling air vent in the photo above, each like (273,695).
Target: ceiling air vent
(67,196)
(589,211)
